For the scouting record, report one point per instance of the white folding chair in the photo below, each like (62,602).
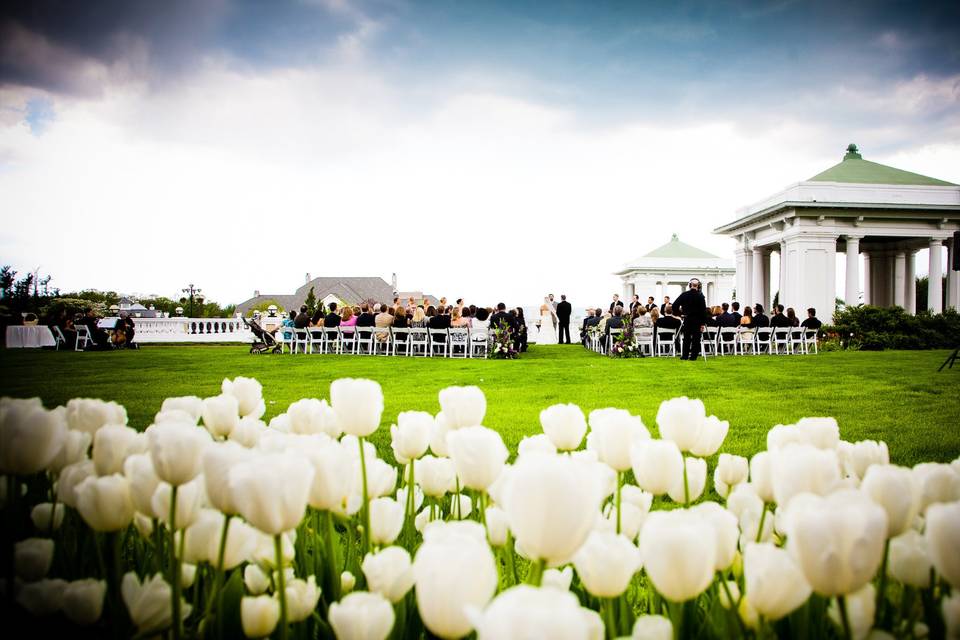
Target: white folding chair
(708,341)
(364,338)
(614,333)
(746,342)
(762,340)
(479,342)
(318,339)
(644,336)
(781,338)
(458,342)
(381,341)
(299,339)
(58,337)
(727,341)
(348,340)
(83,337)
(419,342)
(810,340)
(331,340)
(666,342)
(438,342)
(400,341)
(796,341)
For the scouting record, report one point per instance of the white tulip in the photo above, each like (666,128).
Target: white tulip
(218,459)
(478,454)
(202,543)
(565,425)
(656,464)
(781,435)
(176,450)
(112,444)
(88,415)
(606,563)
(410,437)
(249,395)
(524,611)
(837,540)
(865,454)
(381,478)
(30,436)
(551,504)
(438,436)
(332,478)
(42,514)
(302,598)
(138,470)
(539,443)
(43,597)
(909,560)
(453,568)
(732,470)
(696,481)
(761,475)
(105,503)
(712,434)
(677,562)
(32,558)
(83,601)
(190,499)
(942,533)
(803,468)
(631,519)
(347,582)
(463,406)
(861,609)
(248,432)
(256,580)
(358,405)
(149,603)
(726,532)
(417,496)
(310,415)
(272,490)
(649,627)
(389,572)
(773,581)
(386,520)
(557,578)
(259,615)
(612,434)
(221,415)
(823,433)
(422,519)
(362,616)
(497,527)
(897,491)
(729,595)
(937,482)
(681,420)
(74,449)
(70,478)
(191,405)
(744,498)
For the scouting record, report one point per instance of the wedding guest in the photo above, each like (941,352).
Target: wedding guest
(467,314)
(635,303)
(778,320)
(457,320)
(384,318)
(746,320)
(481,320)
(100,338)
(811,322)
(760,320)
(501,317)
(727,319)
(302,320)
(713,317)
(617,302)
(400,318)
(419,319)
(663,307)
(520,335)
(792,317)
(736,312)
(613,322)
(348,319)
(642,319)
(65,323)
(654,316)
(287,324)
(439,321)
(651,305)
(366,317)
(668,320)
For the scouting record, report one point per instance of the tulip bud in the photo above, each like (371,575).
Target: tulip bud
(41,516)
(732,470)
(524,611)
(803,468)
(191,405)
(302,598)
(438,436)
(386,520)
(74,449)
(861,607)
(937,482)
(863,455)
(138,470)
(612,434)
(942,533)
(761,476)
(681,420)
(422,519)
(696,481)
(272,490)
(313,416)
(202,543)
(537,444)
(259,615)
(32,558)
(774,583)
(89,415)
(30,436)
(105,503)
(557,579)
(358,405)
(478,454)
(389,573)
(656,464)
(565,425)
(909,561)
(725,529)
(190,499)
(497,528)
(111,446)
(255,579)
(83,601)
(347,582)
(648,627)
(248,432)
(436,476)
(411,435)
(249,395)
(149,603)
(677,562)
(176,450)
(362,616)
(712,434)
(43,597)
(606,562)
(221,415)
(70,478)
(463,406)
(896,490)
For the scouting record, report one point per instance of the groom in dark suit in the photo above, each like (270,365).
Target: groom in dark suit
(563,319)
(693,307)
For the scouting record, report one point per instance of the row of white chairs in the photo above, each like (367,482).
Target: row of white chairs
(719,341)
(387,341)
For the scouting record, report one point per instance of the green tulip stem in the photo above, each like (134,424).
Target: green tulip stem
(882,588)
(365,508)
(281,586)
(733,605)
(686,483)
(482,508)
(215,595)
(609,617)
(842,605)
(619,487)
(511,560)
(175,620)
(763,517)
(333,567)
(536,572)
(411,501)
(456,506)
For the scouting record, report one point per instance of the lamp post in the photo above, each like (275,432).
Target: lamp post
(193,293)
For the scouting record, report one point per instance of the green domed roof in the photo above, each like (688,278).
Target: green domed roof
(854,168)
(677,249)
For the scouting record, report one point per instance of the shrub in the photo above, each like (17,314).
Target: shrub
(877,328)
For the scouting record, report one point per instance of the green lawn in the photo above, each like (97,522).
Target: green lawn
(895,396)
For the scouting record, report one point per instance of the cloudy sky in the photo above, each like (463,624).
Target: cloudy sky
(494,150)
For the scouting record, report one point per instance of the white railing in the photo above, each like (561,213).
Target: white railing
(153,330)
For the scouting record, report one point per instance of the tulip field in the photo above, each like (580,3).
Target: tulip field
(199,492)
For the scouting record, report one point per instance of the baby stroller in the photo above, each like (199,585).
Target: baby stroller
(263,341)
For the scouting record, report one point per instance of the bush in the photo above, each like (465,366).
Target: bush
(877,328)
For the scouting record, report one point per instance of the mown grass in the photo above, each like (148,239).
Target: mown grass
(898,397)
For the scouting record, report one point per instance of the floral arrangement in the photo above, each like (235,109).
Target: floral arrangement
(624,344)
(211,523)
(502,342)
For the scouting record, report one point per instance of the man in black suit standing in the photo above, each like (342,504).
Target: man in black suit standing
(563,319)
(693,307)
(634,304)
(663,307)
(650,303)
(617,302)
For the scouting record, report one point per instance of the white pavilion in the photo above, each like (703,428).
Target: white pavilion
(673,265)
(856,207)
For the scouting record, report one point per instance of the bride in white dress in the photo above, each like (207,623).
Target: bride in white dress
(548,324)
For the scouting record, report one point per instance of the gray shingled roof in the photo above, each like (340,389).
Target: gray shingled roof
(352,290)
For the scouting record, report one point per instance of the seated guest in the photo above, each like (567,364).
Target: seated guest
(583,325)
(759,319)
(778,320)
(457,320)
(366,317)
(668,320)
(613,322)
(467,314)
(501,317)
(480,320)
(792,317)
(384,318)
(65,323)
(811,322)
(287,324)
(302,320)
(713,317)
(100,338)
(332,319)
(438,321)
(419,319)
(726,318)
(348,319)
(642,321)
(654,316)
(736,312)
(747,319)
(128,328)
(400,318)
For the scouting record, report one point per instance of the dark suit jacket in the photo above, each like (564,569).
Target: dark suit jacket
(761,320)
(668,322)
(692,306)
(366,319)
(728,320)
(331,320)
(563,311)
(736,316)
(780,320)
(301,321)
(614,322)
(439,322)
(811,323)
(618,303)
(502,317)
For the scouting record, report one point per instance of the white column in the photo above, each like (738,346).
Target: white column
(852,290)
(867,295)
(757,288)
(953,281)
(935,284)
(744,262)
(783,272)
(911,284)
(900,280)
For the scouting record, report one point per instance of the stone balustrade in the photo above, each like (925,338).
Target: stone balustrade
(198,330)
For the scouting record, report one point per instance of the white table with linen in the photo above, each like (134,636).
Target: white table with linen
(20,337)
